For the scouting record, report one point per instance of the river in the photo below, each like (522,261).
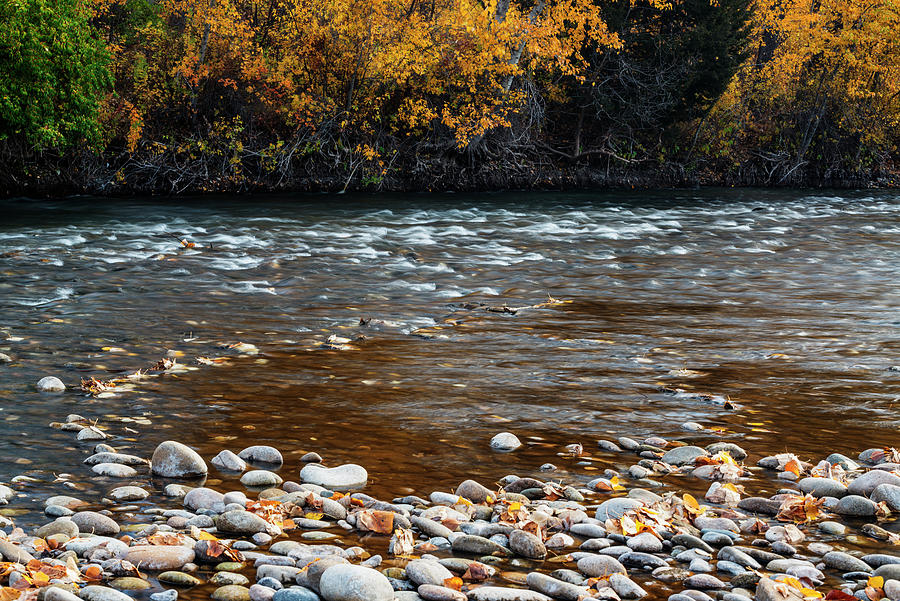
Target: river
(783,303)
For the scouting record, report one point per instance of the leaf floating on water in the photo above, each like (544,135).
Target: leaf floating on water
(93,386)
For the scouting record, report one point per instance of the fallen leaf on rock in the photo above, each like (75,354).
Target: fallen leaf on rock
(800,509)
(477,572)
(9,594)
(374,520)
(454,583)
(93,573)
(839,595)
(402,543)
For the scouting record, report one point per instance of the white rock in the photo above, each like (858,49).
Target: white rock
(174,460)
(505,441)
(226,460)
(343,477)
(354,583)
(50,384)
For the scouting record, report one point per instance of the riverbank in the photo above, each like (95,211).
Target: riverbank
(161,171)
(258,527)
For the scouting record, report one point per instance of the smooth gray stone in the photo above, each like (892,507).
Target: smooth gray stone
(557,589)
(500,593)
(735,555)
(822,487)
(838,560)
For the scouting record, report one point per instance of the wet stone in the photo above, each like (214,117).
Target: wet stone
(845,562)
(354,583)
(822,487)
(499,593)
(130,583)
(128,493)
(855,505)
(433,592)
(167,595)
(240,522)
(114,470)
(50,384)
(526,544)
(344,477)
(505,441)
(558,589)
(179,578)
(257,478)
(102,593)
(866,483)
(600,565)
(625,587)
(832,528)
(683,455)
(616,508)
(96,523)
(225,578)
(704,582)
(645,543)
(262,454)
(172,459)
(231,592)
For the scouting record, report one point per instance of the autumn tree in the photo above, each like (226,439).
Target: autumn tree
(820,93)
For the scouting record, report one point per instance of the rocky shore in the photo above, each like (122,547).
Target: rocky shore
(309,532)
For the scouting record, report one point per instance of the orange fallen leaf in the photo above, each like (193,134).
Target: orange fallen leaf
(374,520)
(477,572)
(93,573)
(454,583)
(9,594)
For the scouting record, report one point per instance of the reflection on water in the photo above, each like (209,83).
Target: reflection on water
(785,304)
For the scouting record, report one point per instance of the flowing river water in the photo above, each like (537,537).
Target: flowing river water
(785,304)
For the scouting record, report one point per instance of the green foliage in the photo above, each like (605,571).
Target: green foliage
(52,73)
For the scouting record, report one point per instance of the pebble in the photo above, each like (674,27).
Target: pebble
(704,582)
(166,595)
(228,461)
(500,593)
(505,441)
(344,477)
(683,455)
(558,589)
(866,483)
(616,508)
(645,543)
(625,587)
(425,571)
(262,454)
(887,493)
(95,523)
(231,592)
(354,583)
(472,490)
(174,460)
(102,593)
(259,592)
(240,522)
(50,384)
(477,545)
(179,578)
(91,433)
(114,470)
(600,565)
(526,544)
(822,487)
(128,493)
(434,592)
(225,578)
(311,458)
(159,557)
(130,583)
(855,505)
(257,478)
(58,526)
(838,560)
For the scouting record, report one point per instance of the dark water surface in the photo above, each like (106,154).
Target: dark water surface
(785,303)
